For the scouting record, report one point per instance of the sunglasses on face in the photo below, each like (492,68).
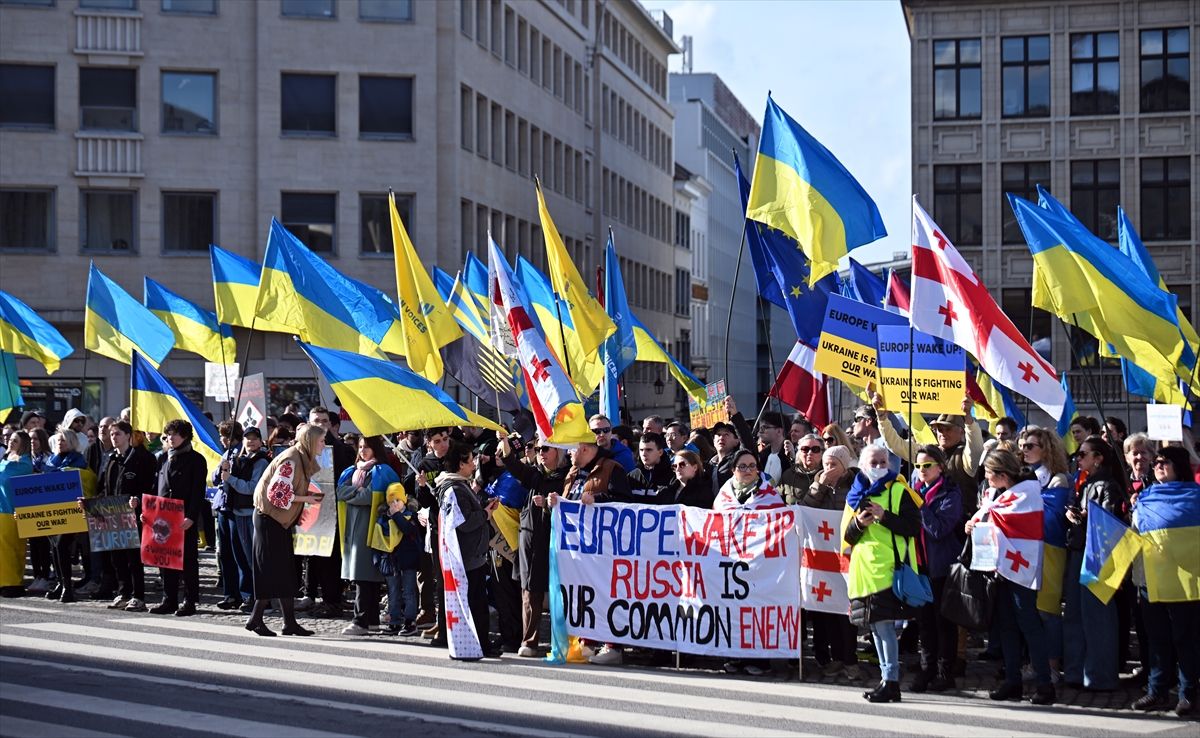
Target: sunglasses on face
(925,465)
(679,465)
(1030,445)
(830,440)
(810,450)
(1162,462)
(540,449)
(599,431)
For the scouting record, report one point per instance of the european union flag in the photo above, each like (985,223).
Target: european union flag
(864,286)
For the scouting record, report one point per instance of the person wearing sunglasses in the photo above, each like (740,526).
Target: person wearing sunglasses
(1090,627)
(796,481)
(610,446)
(691,485)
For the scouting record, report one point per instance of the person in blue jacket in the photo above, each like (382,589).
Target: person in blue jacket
(16,463)
(399,566)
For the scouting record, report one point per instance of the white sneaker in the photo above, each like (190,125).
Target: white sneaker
(38,586)
(304,603)
(355,630)
(375,628)
(135,605)
(119,602)
(607,657)
(587,652)
(526,652)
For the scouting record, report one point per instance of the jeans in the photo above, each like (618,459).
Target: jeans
(887,646)
(1017,617)
(1173,631)
(402,587)
(237,555)
(1089,652)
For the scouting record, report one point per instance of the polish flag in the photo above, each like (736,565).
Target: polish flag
(802,387)
(949,301)
(823,566)
(896,298)
(1017,515)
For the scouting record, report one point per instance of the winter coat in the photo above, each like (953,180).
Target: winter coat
(696,493)
(621,454)
(941,527)
(358,515)
(795,482)
(534,534)
(302,468)
(182,477)
(872,559)
(407,553)
(10,468)
(69,460)
(1101,488)
(648,486)
(474,533)
(131,474)
(604,478)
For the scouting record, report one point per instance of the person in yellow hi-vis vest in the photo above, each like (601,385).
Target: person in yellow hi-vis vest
(16,462)
(881,519)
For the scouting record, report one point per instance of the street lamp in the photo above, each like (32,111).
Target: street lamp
(658,385)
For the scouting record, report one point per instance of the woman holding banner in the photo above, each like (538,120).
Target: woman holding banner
(16,463)
(360,490)
(279,499)
(129,473)
(885,520)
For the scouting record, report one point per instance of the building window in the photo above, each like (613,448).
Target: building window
(196,7)
(376,228)
(958,202)
(108,221)
(189,221)
(466,104)
(1166,198)
(385,10)
(307,8)
(481,126)
(311,217)
(1095,73)
(26,96)
(40,3)
(109,4)
(956,78)
(1095,194)
(385,107)
(26,219)
(1025,76)
(1032,323)
(1165,76)
(683,292)
(189,102)
(1021,179)
(108,99)
(308,104)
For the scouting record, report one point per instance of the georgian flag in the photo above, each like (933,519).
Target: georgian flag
(803,387)
(1017,514)
(823,566)
(949,301)
(462,635)
(896,298)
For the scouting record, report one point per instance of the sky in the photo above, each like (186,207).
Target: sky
(839,68)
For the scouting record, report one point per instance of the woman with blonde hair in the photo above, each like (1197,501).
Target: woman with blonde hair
(1043,452)
(279,500)
(833,435)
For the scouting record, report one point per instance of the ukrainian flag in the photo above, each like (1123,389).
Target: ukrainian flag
(1111,547)
(24,332)
(154,402)
(801,188)
(1168,518)
(1063,429)
(1054,549)
(298,289)
(235,287)
(475,277)
(591,323)
(649,349)
(10,385)
(1075,272)
(115,324)
(195,328)
(425,323)
(558,327)
(462,304)
(620,349)
(382,397)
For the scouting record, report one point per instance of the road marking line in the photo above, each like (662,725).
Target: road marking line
(30,608)
(16,727)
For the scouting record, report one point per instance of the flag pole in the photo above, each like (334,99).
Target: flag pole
(762,316)
(733,291)
(245,362)
(1086,371)
(224,367)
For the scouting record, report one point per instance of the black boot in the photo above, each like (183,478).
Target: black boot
(944,680)
(872,692)
(922,680)
(889,693)
(1006,691)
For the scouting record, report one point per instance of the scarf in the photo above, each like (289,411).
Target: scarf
(362,471)
(183,448)
(930,492)
(744,493)
(863,488)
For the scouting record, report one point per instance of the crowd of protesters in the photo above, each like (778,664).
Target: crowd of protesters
(905,497)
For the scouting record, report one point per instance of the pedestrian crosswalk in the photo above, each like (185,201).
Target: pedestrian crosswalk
(288,680)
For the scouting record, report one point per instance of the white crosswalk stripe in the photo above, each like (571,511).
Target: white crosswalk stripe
(696,704)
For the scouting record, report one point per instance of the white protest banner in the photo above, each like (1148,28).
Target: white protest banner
(1164,422)
(824,566)
(681,578)
(220,381)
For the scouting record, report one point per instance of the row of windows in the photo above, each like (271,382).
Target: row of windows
(1095,74)
(510,141)
(497,27)
(683,292)
(647,287)
(109,220)
(1095,194)
(515,237)
(375,10)
(108,102)
(637,57)
(627,203)
(625,123)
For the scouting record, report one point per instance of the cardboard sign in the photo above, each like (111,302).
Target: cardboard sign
(220,380)
(985,548)
(316,530)
(719,583)
(1164,422)
(47,504)
(712,411)
(938,376)
(849,337)
(112,524)
(162,532)
(253,404)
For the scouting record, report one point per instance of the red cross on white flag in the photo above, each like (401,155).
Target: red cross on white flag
(823,566)
(462,635)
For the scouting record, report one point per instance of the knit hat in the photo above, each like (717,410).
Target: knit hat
(842,454)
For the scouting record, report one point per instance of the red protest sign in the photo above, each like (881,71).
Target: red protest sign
(162,532)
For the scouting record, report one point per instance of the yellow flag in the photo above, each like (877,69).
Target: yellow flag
(426,323)
(592,324)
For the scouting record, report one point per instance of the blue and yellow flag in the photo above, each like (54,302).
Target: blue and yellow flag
(1077,273)
(115,324)
(592,324)
(1168,518)
(1110,549)
(235,289)
(1063,428)
(801,188)
(472,360)
(10,385)
(552,318)
(154,402)
(475,279)
(1054,549)
(382,397)
(619,349)
(425,323)
(324,307)
(649,349)
(195,328)
(24,332)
